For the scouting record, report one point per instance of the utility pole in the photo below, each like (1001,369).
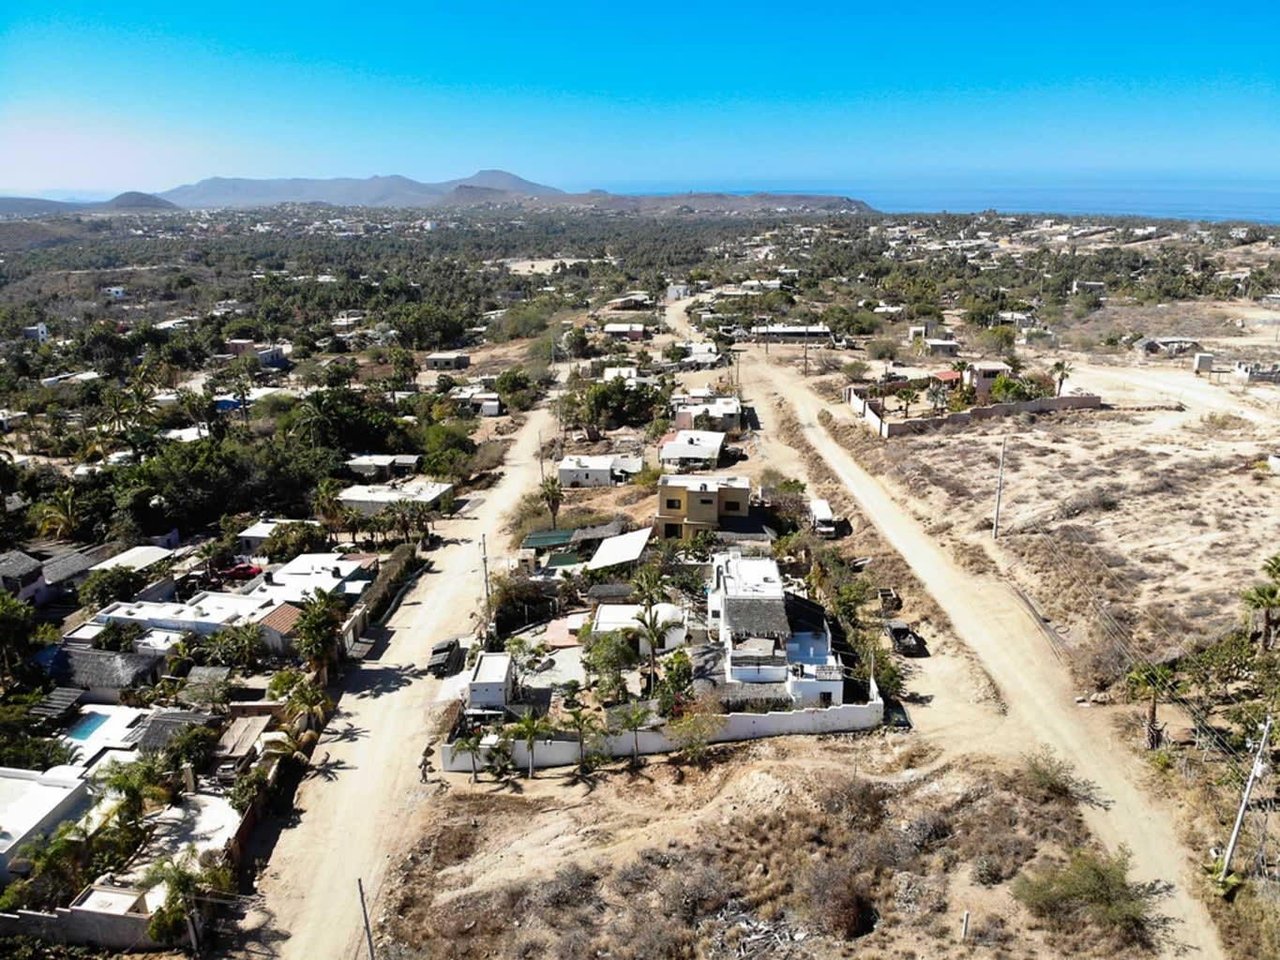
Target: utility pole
(542,474)
(995,523)
(1254,775)
(484,565)
(806,356)
(364,910)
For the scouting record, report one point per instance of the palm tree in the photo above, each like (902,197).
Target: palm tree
(351,521)
(1061,370)
(400,518)
(237,646)
(326,504)
(317,627)
(469,743)
(294,747)
(552,495)
(311,419)
(631,718)
(530,728)
(116,412)
(651,627)
(1266,598)
(907,397)
(59,517)
(1271,567)
(585,725)
(134,783)
(937,396)
(307,706)
(1151,680)
(648,585)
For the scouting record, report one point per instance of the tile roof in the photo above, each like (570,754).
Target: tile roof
(282,618)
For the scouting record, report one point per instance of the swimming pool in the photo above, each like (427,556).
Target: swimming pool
(85,726)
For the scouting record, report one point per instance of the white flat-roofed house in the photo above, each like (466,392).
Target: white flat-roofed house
(249,541)
(371,499)
(451,360)
(205,613)
(586,471)
(770,636)
(624,331)
(34,804)
(625,617)
(383,465)
(492,682)
(700,408)
(697,449)
(135,558)
(299,579)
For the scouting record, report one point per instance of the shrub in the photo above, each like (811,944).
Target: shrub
(1094,888)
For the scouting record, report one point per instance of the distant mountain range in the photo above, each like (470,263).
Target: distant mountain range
(391,191)
(36,206)
(486,188)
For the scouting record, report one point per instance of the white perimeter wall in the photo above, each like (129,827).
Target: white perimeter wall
(736,726)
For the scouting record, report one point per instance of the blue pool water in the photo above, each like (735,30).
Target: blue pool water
(85,726)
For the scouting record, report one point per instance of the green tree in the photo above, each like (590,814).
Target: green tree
(102,587)
(17,624)
(632,718)
(59,517)
(317,628)
(531,728)
(1061,371)
(469,743)
(552,495)
(907,397)
(585,725)
(290,540)
(1265,599)
(605,656)
(1151,682)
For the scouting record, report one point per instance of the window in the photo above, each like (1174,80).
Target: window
(673,504)
(824,699)
(672,530)
(706,501)
(731,506)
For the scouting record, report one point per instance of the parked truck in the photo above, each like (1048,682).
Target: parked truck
(821,519)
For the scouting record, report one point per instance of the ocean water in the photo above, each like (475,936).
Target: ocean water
(1257,202)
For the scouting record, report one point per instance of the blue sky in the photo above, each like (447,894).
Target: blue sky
(98,97)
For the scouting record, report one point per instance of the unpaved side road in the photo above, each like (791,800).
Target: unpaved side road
(991,621)
(357,805)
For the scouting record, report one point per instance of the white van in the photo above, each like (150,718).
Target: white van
(822,519)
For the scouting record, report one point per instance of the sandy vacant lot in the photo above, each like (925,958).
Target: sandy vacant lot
(794,847)
(1137,525)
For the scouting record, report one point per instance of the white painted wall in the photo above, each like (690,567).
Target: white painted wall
(737,726)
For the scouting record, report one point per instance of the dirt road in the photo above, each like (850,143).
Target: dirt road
(994,624)
(1259,404)
(356,806)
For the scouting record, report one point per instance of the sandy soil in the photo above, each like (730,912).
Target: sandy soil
(750,829)
(351,811)
(1011,645)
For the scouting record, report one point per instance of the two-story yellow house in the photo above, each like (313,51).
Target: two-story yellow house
(690,504)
